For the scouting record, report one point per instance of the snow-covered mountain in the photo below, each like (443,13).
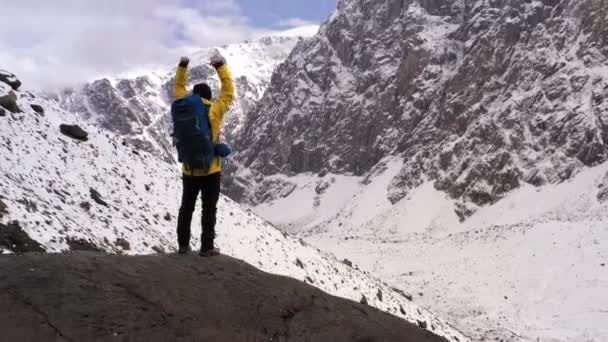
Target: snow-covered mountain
(136,107)
(65,187)
(479,97)
(456,146)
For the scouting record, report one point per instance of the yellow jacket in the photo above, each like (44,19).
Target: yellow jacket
(216,112)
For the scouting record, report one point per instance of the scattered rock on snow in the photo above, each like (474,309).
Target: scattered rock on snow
(9,79)
(3,209)
(97,197)
(38,109)
(379,295)
(602,195)
(82,245)
(85,205)
(158,249)
(363,300)
(347,263)
(74,131)
(299,263)
(167,217)
(322,187)
(422,324)
(123,243)
(402,293)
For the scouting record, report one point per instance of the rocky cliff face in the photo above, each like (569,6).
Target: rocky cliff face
(137,108)
(478,96)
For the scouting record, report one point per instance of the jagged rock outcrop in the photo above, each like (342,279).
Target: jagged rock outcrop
(81,297)
(10,79)
(477,96)
(8,99)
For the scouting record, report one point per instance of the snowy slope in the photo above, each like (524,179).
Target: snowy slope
(135,106)
(531,267)
(46,180)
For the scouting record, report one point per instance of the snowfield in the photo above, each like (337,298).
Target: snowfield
(104,193)
(530,267)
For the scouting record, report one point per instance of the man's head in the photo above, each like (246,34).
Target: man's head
(202,90)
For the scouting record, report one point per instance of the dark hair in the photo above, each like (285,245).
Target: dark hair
(202,90)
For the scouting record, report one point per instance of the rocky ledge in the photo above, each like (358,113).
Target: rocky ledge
(92,296)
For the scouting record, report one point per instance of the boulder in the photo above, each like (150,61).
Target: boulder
(74,131)
(10,79)
(82,245)
(8,99)
(37,108)
(96,196)
(123,243)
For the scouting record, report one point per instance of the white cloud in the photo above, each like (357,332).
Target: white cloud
(51,44)
(300,31)
(295,22)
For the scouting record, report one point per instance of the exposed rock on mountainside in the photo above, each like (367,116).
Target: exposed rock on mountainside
(13,238)
(82,297)
(10,79)
(478,96)
(137,108)
(74,131)
(8,99)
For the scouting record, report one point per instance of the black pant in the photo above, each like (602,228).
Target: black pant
(209,187)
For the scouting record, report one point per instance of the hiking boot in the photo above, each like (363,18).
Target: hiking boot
(184,250)
(208,250)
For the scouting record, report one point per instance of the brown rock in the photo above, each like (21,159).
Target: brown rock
(123,243)
(87,296)
(8,100)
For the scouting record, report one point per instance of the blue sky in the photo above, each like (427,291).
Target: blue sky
(71,41)
(270,12)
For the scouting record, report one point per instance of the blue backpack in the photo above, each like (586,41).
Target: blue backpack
(192,132)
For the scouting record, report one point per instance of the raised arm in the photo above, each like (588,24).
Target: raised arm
(181,79)
(221,106)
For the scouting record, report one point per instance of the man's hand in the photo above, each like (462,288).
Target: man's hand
(184,61)
(217,60)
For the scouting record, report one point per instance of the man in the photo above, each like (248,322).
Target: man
(206,182)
